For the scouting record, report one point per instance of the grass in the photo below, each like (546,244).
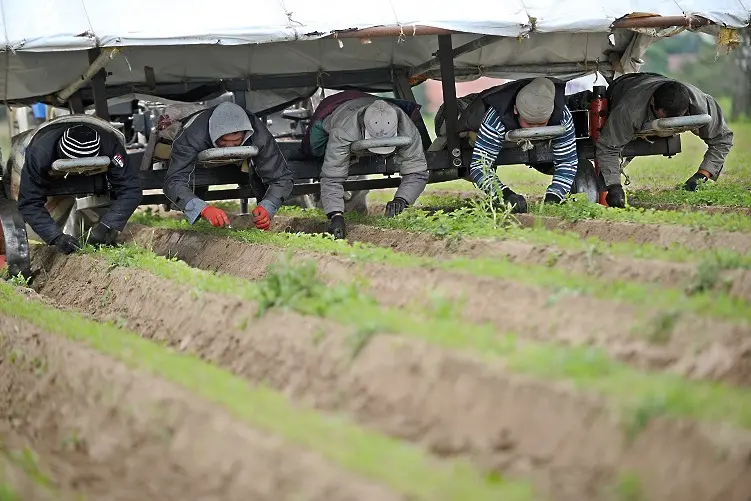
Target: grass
(399,466)
(577,208)
(706,303)
(585,367)
(456,225)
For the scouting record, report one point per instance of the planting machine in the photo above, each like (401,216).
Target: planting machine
(285,92)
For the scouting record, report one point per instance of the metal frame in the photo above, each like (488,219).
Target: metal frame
(443,165)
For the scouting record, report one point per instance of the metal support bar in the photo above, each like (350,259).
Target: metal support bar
(675,125)
(661,22)
(89,165)
(528,68)
(386,142)
(98,85)
(535,133)
(434,63)
(96,65)
(76,104)
(392,31)
(449,99)
(403,90)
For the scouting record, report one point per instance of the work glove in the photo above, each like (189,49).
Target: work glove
(215,216)
(101,234)
(694,181)
(336,226)
(552,198)
(615,196)
(66,243)
(261,218)
(518,202)
(396,206)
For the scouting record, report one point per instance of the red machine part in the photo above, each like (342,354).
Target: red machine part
(598,115)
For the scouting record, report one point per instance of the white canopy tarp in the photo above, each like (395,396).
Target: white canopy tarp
(187,40)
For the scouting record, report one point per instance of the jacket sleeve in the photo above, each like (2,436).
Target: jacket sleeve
(335,170)
(185,149)
(565,158)
(488,145)
(718,138)
(32,198)
(617,133)
(413,167)
(272,168)
(123,177)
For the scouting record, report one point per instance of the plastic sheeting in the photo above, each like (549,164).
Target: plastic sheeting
(191,40)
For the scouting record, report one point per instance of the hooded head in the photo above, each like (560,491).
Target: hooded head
(229,124)
(79,141)
(535,102)
(381,121)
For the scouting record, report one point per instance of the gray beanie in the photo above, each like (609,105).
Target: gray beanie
(228,118)
(535,101)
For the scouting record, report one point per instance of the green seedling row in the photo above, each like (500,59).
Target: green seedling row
(587,368)
(400,466)
(706,303)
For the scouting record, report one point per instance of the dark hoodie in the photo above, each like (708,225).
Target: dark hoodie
(201,132)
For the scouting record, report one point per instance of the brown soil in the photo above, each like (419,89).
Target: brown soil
(662,235)
(451,403)
(692,346)
(23,484)
(607,266)
(113,433)
(709,209)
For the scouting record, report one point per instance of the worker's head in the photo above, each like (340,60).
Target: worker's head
(381,121)
(534,103)
(228,125)
(78,141)
(670,99)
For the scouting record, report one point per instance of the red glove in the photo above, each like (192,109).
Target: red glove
(215,216)
(261,218)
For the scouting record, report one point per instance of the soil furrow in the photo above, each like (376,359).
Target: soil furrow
(606,266)
(452,403)
(662,235)
(111,432)
(693,346)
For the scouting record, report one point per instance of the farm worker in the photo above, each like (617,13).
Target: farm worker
(222,126)
(635,100)
(524,104)
(64,140)
(365,118)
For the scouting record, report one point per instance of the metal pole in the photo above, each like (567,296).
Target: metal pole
(392,31)
(434,63)
(95,66)
(98,87)
(451,110)
(661,22)
(402,90)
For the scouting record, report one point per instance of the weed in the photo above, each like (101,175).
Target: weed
(8,494)
(659,329)
(361,337)
(18,280)
(628,487)
(106,297)
(73,441)
(242,324)
(319,335)
(16,356)
(708,276)
(28,461)
(639,417)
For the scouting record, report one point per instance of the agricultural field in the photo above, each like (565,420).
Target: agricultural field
(452,353)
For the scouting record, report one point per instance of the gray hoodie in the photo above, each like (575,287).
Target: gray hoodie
(344,126)
(630,112)
(201,132)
